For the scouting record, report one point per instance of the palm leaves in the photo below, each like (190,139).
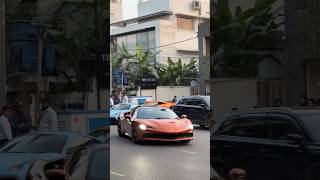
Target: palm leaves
(234,33)
(135,65)
(177,73)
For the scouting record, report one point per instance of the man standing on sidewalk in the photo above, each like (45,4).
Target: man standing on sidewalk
(49,119)
(5,128)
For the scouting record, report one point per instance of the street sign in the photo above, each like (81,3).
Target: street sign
(148,83)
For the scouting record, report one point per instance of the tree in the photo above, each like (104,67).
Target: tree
(136,65)
(74,28)
(177,73)
(235,36)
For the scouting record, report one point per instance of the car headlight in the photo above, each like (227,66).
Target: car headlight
(190,127)
(142,127)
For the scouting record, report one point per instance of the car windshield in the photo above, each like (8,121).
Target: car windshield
(36,143)
(156,113)
(312,123)
(207,99)
(121,107)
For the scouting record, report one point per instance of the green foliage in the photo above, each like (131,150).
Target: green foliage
(177,73)
(74,27)
(136,65)
(235,33)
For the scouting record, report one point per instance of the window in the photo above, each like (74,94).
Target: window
(186,102)
(184,23)
(77,142)
(278,128)
(251,127)
(197,102)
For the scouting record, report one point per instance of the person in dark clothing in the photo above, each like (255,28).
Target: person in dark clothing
(174,99)
(22,120)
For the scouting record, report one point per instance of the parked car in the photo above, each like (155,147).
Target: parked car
(155,124)
(269,143)
(90,162)
(116,110)
(18,155)
(197,108)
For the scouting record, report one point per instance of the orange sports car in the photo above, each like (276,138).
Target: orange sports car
(155,124)
(166,104)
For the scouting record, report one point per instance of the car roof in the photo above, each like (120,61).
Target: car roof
(194,96)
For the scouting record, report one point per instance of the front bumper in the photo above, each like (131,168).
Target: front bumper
(161,136)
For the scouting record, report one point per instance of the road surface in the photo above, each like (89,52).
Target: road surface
(160,161)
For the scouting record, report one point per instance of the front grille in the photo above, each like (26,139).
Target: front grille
(168,136)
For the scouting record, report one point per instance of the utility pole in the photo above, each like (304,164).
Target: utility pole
(39,73)
(3,82)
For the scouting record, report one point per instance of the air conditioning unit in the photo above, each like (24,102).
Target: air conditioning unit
(196,4)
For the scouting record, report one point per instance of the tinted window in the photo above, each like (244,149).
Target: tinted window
(186,101)
(99,164)
(78,141)
(197,102)
(37,143)
(312,124)
(252,127)
(156,113)
(279,128)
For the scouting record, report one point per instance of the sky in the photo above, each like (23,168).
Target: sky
(129,9)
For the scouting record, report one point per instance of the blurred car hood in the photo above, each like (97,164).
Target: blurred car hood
(20,163)
(114,113)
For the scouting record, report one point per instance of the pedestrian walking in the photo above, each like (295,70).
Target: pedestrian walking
(22,122)
(5,127)
(174,100)
(49,119)
(125,98)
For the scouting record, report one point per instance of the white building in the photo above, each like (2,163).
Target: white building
(115,11)
(167,26)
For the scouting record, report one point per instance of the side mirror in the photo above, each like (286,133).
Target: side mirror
(127,116)
(184,116)
(295,138)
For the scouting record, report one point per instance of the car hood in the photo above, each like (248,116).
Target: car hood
(19,163)
(166,125)
(114,113)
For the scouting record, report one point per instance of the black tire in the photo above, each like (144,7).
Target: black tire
(119,131)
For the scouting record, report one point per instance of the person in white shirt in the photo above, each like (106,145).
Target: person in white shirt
(5,127)
(125,98)
(111,101)
(49,119)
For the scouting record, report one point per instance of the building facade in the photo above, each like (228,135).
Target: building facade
(115,10)
(204,58)
(169,27)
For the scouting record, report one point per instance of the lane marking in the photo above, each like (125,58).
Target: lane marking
(117,174)
(190,152)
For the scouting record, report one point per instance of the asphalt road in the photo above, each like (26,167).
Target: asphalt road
(160,161)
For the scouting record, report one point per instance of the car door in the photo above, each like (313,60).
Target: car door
(183,107)
(236,143)
(199,112)
(281,159)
